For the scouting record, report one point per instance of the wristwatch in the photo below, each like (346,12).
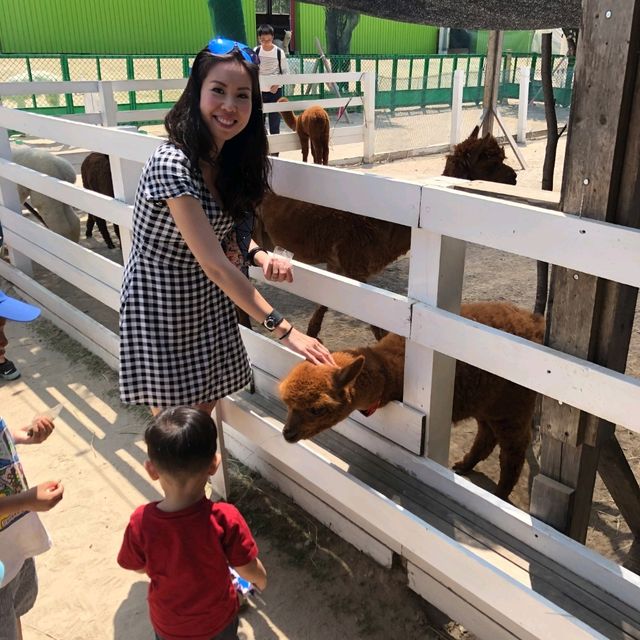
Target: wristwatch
(272,320)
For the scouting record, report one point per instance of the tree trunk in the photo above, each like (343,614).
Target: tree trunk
(338,27)
(227,19)
(549,159)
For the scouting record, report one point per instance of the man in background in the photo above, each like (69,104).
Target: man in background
(272,62)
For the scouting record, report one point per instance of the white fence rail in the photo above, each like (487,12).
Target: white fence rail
(101,107)
(441,221)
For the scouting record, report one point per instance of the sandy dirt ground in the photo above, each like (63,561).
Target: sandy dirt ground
(319,586)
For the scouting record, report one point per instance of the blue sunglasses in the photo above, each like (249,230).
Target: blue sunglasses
(222,46)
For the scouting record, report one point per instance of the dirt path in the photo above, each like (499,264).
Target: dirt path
(319,586)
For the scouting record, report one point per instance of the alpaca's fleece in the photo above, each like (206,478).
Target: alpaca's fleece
(358,246)
(320,396)
(312,126)
(479,159)
(58,216)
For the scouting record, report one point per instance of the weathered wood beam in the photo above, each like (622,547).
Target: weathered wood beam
(589,317)
(492,68)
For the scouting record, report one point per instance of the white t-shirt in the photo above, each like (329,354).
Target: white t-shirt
(22,535)
(269,61)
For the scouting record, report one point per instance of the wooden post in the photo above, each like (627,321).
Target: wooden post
(491,80)
(589,317)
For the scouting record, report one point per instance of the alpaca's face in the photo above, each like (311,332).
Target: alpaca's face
(479,159)
(488,162)
(318,397)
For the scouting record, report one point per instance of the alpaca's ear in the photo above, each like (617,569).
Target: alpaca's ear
(474,133)
(348,374)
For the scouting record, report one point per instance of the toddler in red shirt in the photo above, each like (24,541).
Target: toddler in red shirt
(186,543)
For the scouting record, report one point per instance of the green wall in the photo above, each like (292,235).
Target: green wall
(517,41)
(109,26)
(372,35)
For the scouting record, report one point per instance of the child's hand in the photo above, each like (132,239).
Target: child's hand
(35,433)
(45,496)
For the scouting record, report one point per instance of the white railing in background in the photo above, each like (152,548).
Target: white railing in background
(442,221)
(457,104)
(101,106)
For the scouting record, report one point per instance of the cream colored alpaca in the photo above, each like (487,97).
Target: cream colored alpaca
(58,216)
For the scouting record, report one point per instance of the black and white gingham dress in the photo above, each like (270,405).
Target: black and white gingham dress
(179,338)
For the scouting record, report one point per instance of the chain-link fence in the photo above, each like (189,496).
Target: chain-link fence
(76,68)
(413,93)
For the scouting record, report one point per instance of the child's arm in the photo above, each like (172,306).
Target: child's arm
(35,433)
(43,497)
(254,572)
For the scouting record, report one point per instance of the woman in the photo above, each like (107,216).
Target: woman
(179,339)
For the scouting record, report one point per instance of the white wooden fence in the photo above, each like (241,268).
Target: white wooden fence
(101,105)
(489,600)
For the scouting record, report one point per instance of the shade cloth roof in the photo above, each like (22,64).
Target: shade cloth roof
(469,14)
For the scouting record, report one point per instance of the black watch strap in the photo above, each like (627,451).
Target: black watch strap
(272,320)
(251,256)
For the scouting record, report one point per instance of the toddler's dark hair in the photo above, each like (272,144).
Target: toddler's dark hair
(181,440)
(265,30)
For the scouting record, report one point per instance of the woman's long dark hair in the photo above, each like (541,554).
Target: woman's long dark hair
(243,167)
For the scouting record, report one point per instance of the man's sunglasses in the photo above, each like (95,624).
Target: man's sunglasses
(222,46)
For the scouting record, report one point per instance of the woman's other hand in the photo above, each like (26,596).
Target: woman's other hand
(275,268)
(313,350)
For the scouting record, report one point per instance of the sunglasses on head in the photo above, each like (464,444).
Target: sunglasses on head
(222,46)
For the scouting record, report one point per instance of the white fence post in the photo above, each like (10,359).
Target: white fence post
(456,107)
(124,173)
(369,97)
(108,105)
(9,198)
(523,104)
(92,103)
(436,270)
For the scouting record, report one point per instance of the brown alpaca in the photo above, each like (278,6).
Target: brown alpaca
(320,396)
(96,175)
(312,125)
(479,159)
(356,246)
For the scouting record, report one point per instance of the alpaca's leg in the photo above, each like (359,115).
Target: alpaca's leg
(315,324)
(482,447)
(104,232)
(91,221)
(304,143)
(513,439)
(325,152)
(378,333)
(315,151)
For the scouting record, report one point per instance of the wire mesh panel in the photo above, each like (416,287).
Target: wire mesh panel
(419,87)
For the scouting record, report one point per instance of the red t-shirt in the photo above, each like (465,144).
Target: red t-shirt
(187,554)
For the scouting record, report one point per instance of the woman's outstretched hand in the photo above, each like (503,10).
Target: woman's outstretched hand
(313,350)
